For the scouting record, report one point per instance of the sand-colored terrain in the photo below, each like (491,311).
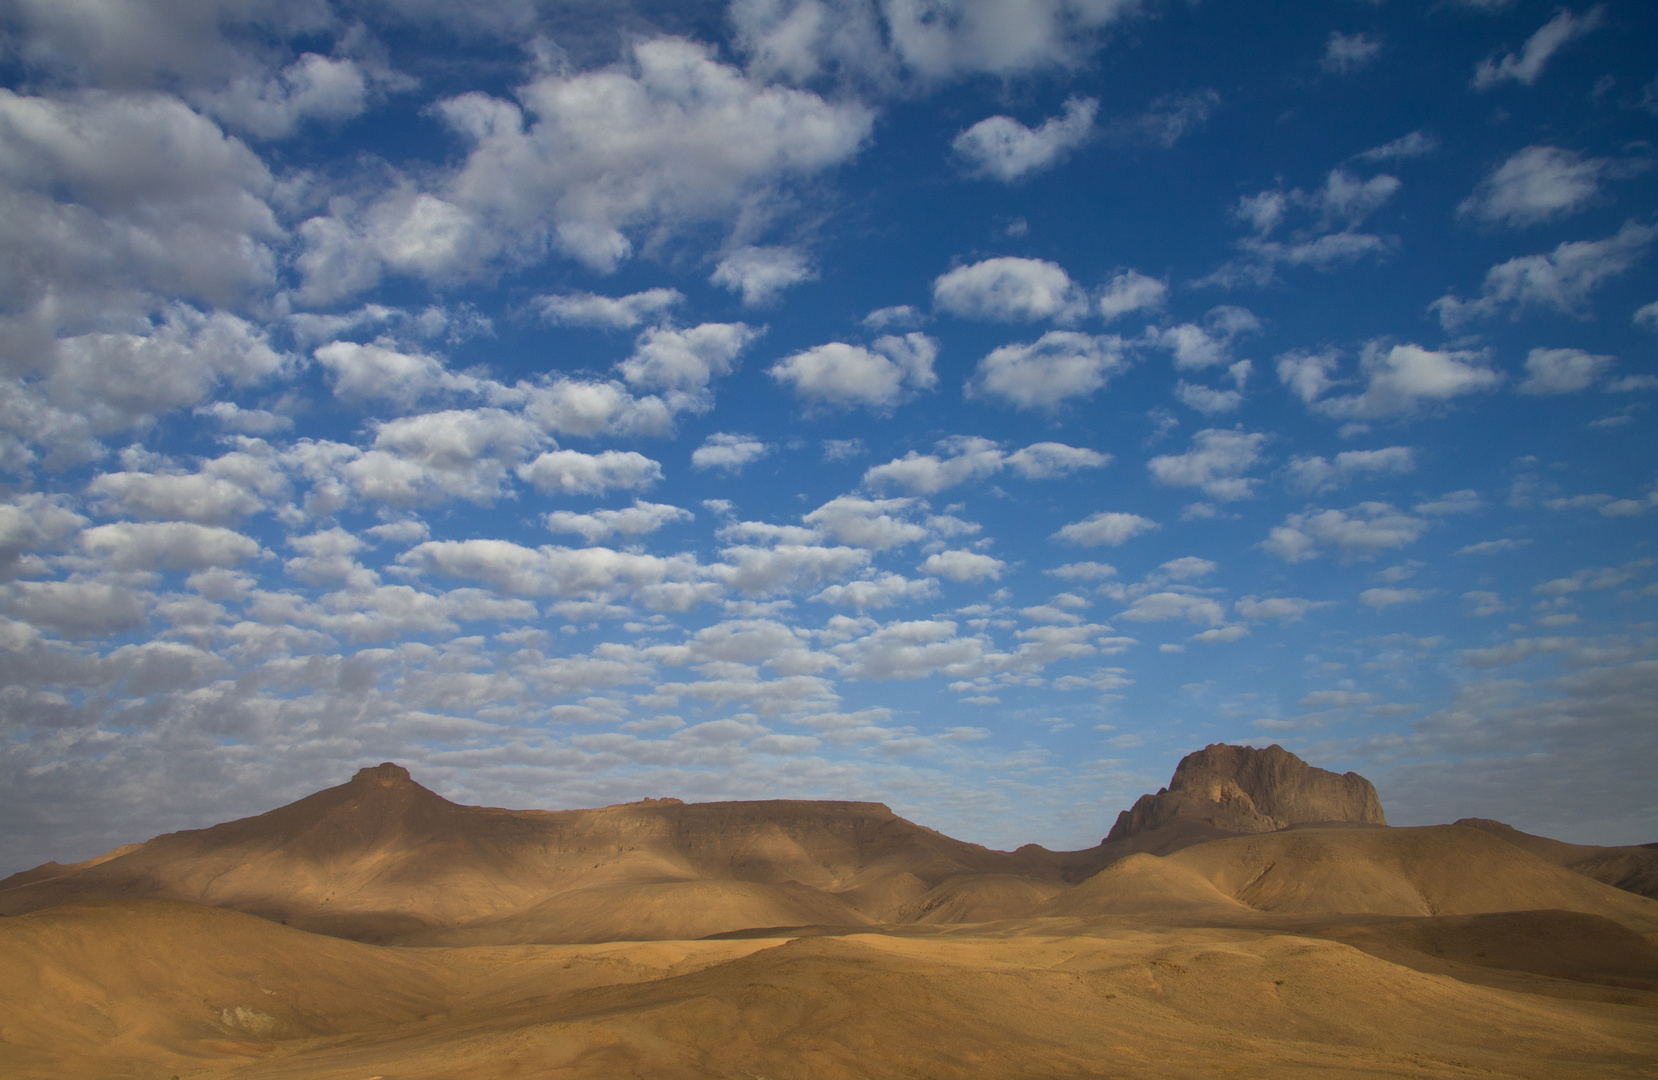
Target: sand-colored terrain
(790,940)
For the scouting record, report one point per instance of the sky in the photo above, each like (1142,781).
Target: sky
(969,405)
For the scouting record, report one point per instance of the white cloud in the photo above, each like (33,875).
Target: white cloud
(1189,567)
(1538,184)
(571,472)
(168,545)
(965,458)
(1105,527)
(547,571)
(871,523)
(1399,379)
(958,37)
(1562,371)
(1416,144)
(1216,463)
(1561,280)
(681,363)
(642,517)
(963,566)
(665,139)
(1345,53)
(620,312)
(1060,364)
(1359,532)
(74,608)
(786,566)
(1040,461)
(1131,291)
(1168,118)
(1196,347)
(118,200)
(1084,571)
(1010,289)
(200,497)
(896,317)
(1482,604)
(1004,149)
(846,375)
(1164,606)
(1332,214)
(880,591)
(32,522)
(1646,315)
(312,87)
(379,372)
(1317,475)
(1388,597)
(1288,608)
(728,452)
(1527,65)
(1491,547)
(461,453)
(120,380)
(761,274)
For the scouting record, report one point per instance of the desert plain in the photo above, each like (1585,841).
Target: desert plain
(1257,918)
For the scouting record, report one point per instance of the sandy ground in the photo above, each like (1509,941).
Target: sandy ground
(159,988)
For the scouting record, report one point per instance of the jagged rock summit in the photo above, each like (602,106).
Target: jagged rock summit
(1239,789)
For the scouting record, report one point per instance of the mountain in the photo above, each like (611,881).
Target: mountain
(381,858)
(1239,789)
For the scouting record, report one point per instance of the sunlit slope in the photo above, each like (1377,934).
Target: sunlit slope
(1633,868)
(381,858)
(1436,870)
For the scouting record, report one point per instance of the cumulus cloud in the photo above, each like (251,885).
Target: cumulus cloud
(571,472)
(1061,364)
(1359,532)
(1538,184)
(608,312)
(1002,148)
(1009,289)
(963,566)
(844,375)
(761,274)
(1317,475)
(965,458)
(379,372)
(313,87)
(680,364)
(1215,463)
(1400,380)
(1131,291)
(871,523)
(668,137)
(1195,347)
(32,522)
(117,201)
(1105,527)
(882,590)
(168,545)
(1561,280)
(1562,371)
(1526,66)
(642,517)
(728,452)
(1346,53)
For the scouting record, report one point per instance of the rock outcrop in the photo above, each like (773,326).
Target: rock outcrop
(1239,789)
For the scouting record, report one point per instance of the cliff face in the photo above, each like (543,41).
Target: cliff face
(1239,789)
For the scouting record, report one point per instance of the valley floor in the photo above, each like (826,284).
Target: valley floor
(153,989)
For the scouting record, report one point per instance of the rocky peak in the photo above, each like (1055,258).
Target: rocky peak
(385,774)
(1240,789)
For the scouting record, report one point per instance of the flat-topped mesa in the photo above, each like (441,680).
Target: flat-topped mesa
(386,774)
(1239,789)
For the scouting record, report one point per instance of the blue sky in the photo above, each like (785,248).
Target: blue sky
(972,405)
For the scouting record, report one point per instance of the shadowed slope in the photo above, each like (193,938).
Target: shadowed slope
(381,858)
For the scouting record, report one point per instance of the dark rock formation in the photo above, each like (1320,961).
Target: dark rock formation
(1239,789)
